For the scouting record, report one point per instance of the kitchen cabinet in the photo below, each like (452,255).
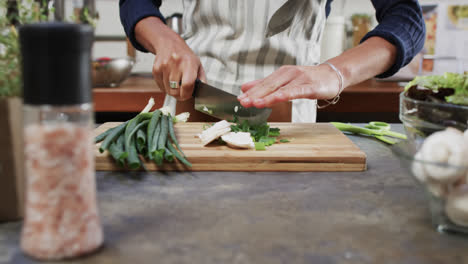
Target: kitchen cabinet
(133,95)
(367,101)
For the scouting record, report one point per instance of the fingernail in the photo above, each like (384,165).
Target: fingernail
(242,96)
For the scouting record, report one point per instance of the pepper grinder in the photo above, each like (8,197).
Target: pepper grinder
(61,217)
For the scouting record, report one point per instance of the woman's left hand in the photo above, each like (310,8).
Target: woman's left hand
(291,82)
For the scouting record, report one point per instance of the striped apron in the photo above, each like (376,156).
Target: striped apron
(244,40)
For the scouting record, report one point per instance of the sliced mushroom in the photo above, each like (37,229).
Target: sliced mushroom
(456,207)
(239,140)
(214,132)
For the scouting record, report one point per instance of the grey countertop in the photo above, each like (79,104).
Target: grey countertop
(376,216)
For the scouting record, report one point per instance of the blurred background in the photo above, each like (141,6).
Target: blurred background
(348,22)
(446,49)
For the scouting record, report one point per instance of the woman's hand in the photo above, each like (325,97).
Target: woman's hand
(174,61)
(372,57)
(291,82)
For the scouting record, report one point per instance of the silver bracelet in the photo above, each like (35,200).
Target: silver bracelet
(341,83)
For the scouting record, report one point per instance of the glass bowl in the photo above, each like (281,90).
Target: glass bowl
(421,118)
(437,194)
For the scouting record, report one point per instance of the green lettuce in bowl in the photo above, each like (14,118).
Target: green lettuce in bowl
(433,103)
(451,87)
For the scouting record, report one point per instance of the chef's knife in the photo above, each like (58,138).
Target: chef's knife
(223,105)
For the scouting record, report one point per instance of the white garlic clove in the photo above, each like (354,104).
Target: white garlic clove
(456,206)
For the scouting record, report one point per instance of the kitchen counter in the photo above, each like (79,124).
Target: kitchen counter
(362,102)
(376,216)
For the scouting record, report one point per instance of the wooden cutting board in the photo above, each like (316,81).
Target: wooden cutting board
(312,147)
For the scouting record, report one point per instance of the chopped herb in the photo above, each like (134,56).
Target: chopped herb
(274,132)
(259,146)
(268,141)
(284,140)
(261,133)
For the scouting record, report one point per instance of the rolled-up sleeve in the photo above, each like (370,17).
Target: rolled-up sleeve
(400,23)
(132,11)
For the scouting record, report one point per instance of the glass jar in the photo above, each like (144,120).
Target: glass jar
(61,216)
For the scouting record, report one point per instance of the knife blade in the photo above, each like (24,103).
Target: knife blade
(223,105)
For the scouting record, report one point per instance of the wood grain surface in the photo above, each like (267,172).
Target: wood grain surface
(312,147)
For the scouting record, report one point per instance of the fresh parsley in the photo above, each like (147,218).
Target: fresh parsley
(263,135)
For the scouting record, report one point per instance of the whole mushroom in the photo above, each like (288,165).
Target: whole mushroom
(441,148)
(436,188)
(456,207)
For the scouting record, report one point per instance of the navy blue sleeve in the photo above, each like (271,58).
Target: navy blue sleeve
(402,24)
(328,7)
(132,11)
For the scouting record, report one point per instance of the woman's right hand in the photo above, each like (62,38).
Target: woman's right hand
(174,61)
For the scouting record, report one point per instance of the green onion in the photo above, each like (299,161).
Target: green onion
(133,159)
(168,155)
(103,135)
(141,142)
(173,136)
(163,134)
(158,156)
(151,127)
(117,151)
(178,156)
(155,139)
(113,135)
(129,136)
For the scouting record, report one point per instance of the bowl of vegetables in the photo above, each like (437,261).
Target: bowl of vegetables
(433,103)
(107,72)
(439,164)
